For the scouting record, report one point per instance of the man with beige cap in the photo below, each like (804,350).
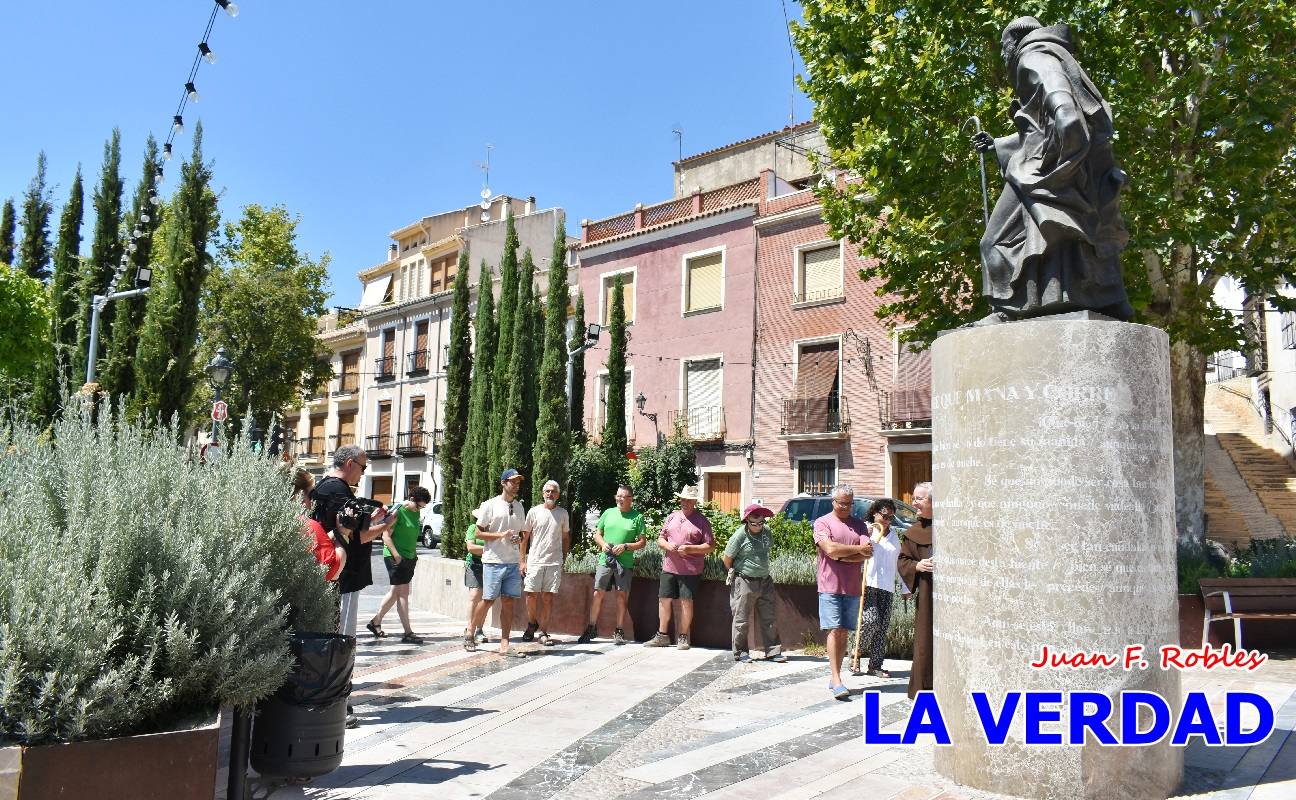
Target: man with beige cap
(685,540)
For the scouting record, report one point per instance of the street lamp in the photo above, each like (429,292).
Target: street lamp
(218,374)
(640,402)
(592,332)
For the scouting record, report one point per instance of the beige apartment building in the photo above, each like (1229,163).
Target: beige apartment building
(389,354)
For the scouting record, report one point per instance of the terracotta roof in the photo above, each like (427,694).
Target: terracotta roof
(771,134)
(691,218)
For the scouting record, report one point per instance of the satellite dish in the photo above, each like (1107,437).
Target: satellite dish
(485,205)
(485,193)
(485,216)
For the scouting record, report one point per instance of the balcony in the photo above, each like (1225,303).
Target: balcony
(702,424)
(907,409)
(413,443)
(309,448)
(671,211)
(815,418)
(385,369)
(340,440)
(418,363)
(348,383)
(818,297)
(379,446)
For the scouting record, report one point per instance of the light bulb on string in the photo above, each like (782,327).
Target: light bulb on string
(166,152)
(137,233)
(177,124)
(157,177)
(131,247)
(206,53)
(145,218)
(230,8)
(154,199)
(192,90)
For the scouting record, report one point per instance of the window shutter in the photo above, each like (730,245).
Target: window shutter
(416,413)
(703,398)
(346,428)
(628,292)
(384,422)
(821,273)
(817,370)
(704,282)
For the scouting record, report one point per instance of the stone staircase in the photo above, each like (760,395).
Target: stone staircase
(1250,489)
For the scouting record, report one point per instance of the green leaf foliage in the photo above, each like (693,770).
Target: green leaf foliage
(659,472)
(34,248)
(56,374)
(553,434)
(139,587)
(106,248)
(614,427)
(480,481)
(8,228)
(576,419)
(508,309)
(591,485)
(517,437)
(24,327)
(458,401)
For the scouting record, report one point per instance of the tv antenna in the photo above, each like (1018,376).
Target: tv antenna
(679,141)
(484,166)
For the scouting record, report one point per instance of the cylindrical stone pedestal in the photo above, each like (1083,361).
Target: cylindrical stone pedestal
(1054,525)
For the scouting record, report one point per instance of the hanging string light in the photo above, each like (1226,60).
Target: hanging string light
(189,95)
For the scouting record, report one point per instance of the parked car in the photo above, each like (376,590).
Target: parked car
(812,507)
(432,520)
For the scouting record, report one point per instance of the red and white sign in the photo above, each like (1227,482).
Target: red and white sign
(220,411)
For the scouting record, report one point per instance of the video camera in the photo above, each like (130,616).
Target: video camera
(361,509)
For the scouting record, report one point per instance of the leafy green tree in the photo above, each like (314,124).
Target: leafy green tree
(105,249)
(504,348)
(614,427)
(165,373)
(576,419)
(118,375)
(553,432)
(8,227)
(1203,100)
(34,249)
(24,330)
(517,440)
(457,404)
(659,472)
(63,305)
(261,304)
(592,478)
(480,478)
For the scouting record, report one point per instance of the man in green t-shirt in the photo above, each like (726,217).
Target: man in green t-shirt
(400,554)
(620,531)
(473,572)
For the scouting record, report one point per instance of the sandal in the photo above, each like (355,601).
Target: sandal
(511,653)
(546,640)
(470,643)
(376,630)
(411,638)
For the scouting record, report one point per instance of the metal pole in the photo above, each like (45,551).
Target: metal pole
(240,747)
(985,194)
(216,423)
(95,307)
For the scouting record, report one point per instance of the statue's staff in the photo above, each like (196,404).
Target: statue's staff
(985,195)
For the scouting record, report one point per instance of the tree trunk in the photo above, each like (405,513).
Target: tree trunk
(1188,394)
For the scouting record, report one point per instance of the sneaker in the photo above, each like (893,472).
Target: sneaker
(682,642)
(840,692)
(588,635)
(482,638)
(618,636)
(777,658)
(660,640)
(742,658)
(529,634)
(352,721)
(411,638)
(878,673)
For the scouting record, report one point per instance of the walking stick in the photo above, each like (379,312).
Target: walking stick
(985,195)
(875,533)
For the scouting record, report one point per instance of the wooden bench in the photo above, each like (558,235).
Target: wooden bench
(1237,599)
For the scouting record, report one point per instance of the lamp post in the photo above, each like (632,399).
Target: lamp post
(640,402)
(592,332)
(218,372)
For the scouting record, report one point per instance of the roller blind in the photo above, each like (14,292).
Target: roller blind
(703,397)
(703,282)
(820,273)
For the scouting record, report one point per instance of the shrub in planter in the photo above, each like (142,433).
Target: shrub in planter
(139,587)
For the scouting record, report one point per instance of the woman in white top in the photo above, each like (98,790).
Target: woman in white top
(879,589)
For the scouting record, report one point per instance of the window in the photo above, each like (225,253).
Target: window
(816,475)
(350,380)
(602,403)
(627,292)
(704,282)
(818,367)
(818,274)
(1288,324)
(702,393)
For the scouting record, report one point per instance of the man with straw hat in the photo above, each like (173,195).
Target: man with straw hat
(747,558)
(685,540)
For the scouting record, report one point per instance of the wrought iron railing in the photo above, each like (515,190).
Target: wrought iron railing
(309,447)
(418,362)
(413,443)
(385,368)
(340,440)
(805,416)
(379,445)
(831,293)
(348,382)
(906,407)
(701,424)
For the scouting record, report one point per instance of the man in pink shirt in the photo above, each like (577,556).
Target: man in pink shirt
(685,540)
(843,544)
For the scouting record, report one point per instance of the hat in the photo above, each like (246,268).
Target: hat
(688,493)
(510,474)
(756,510)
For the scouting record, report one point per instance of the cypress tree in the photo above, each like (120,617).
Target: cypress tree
(105,249)
(457,404)
(553,435)
(517,440)
(34,249)
(614,427)
(504,350)
(165,370)
(7,230)
(63,307)
(478,482)
(119,367)
(576,421)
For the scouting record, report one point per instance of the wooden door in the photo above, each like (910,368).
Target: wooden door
(724,490)
(910,469)
(380,488)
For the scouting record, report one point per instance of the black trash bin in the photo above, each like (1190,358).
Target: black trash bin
(299,730)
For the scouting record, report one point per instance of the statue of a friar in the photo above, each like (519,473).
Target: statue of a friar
(1054,240)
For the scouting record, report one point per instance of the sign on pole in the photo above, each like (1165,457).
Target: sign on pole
(220,411)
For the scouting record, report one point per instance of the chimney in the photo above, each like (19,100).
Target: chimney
(392,251)
(530,206)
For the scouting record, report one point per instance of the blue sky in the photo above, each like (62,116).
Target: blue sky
(362,117)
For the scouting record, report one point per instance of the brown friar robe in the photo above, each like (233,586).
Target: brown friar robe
(917,546)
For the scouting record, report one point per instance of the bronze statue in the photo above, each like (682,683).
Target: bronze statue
(1054,239)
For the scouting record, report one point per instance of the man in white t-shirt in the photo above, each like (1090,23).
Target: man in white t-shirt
(502,525)
(542,560)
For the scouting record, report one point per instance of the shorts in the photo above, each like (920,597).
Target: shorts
(838,611)
(501,580)
(604,580)
(402,573)
(543,579)
(473,574)
(678,587)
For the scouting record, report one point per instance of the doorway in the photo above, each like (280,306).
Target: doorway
(724,490)
(910,469)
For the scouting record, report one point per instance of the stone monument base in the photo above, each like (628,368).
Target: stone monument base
(1054,527)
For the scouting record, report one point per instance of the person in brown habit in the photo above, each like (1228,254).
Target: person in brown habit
(915,568)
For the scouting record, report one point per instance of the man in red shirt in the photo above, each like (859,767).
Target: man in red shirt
(685,540)
(843,543)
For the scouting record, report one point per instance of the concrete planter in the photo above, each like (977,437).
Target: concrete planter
(174,765)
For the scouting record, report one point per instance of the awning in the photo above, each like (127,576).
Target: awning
(375,290)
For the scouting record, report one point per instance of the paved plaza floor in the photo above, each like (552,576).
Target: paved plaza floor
(598,721)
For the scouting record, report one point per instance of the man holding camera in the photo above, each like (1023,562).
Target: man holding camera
(502,525)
